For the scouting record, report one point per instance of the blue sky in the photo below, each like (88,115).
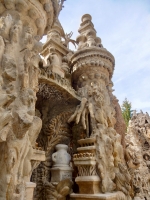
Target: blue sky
(124,27)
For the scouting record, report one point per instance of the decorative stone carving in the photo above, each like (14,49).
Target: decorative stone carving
(53,63)
(85,160)
(55,87)
(61,157)
(59,190)
(55,131)
(68,39)
(87,37)
(61,160)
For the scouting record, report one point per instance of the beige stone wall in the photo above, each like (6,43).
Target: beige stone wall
(22,25)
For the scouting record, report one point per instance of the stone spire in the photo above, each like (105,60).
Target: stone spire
(87,37)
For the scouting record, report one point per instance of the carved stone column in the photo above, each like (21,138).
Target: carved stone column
(22,25)
(85,160)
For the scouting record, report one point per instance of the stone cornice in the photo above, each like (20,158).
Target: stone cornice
(57,45)
(93,56)
(92,51)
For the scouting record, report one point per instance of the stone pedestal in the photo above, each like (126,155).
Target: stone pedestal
(29,190)
(87,180)
(107,196)
(61,173)
(88,184)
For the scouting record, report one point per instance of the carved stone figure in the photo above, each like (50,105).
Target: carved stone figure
(52,61)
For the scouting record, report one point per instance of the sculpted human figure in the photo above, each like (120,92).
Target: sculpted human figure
(5,115)
(15,32)
(53,58)
(65,65)
(28,38)
(25,73)
(31,67)
(52,62)
(6,23)
(100,115)
(34,65)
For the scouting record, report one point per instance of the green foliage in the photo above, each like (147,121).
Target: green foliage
(126,111)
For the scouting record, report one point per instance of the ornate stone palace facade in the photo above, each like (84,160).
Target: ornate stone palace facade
(62,135)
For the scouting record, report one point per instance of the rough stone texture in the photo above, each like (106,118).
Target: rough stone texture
(56,101)
(92,69)
(120,125)
(22,25)
(137,154)
(41,98)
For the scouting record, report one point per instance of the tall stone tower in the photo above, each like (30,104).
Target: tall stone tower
(100,157)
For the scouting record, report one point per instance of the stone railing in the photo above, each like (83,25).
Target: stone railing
(50,77)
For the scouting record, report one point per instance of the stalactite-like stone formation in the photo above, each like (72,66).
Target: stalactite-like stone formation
(137,152)
(22,25)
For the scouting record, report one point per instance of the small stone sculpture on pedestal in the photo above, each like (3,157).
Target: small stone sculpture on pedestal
(61,169)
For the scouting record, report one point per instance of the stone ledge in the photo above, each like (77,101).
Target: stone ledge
(65,89)
(38,155)
(108,196)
